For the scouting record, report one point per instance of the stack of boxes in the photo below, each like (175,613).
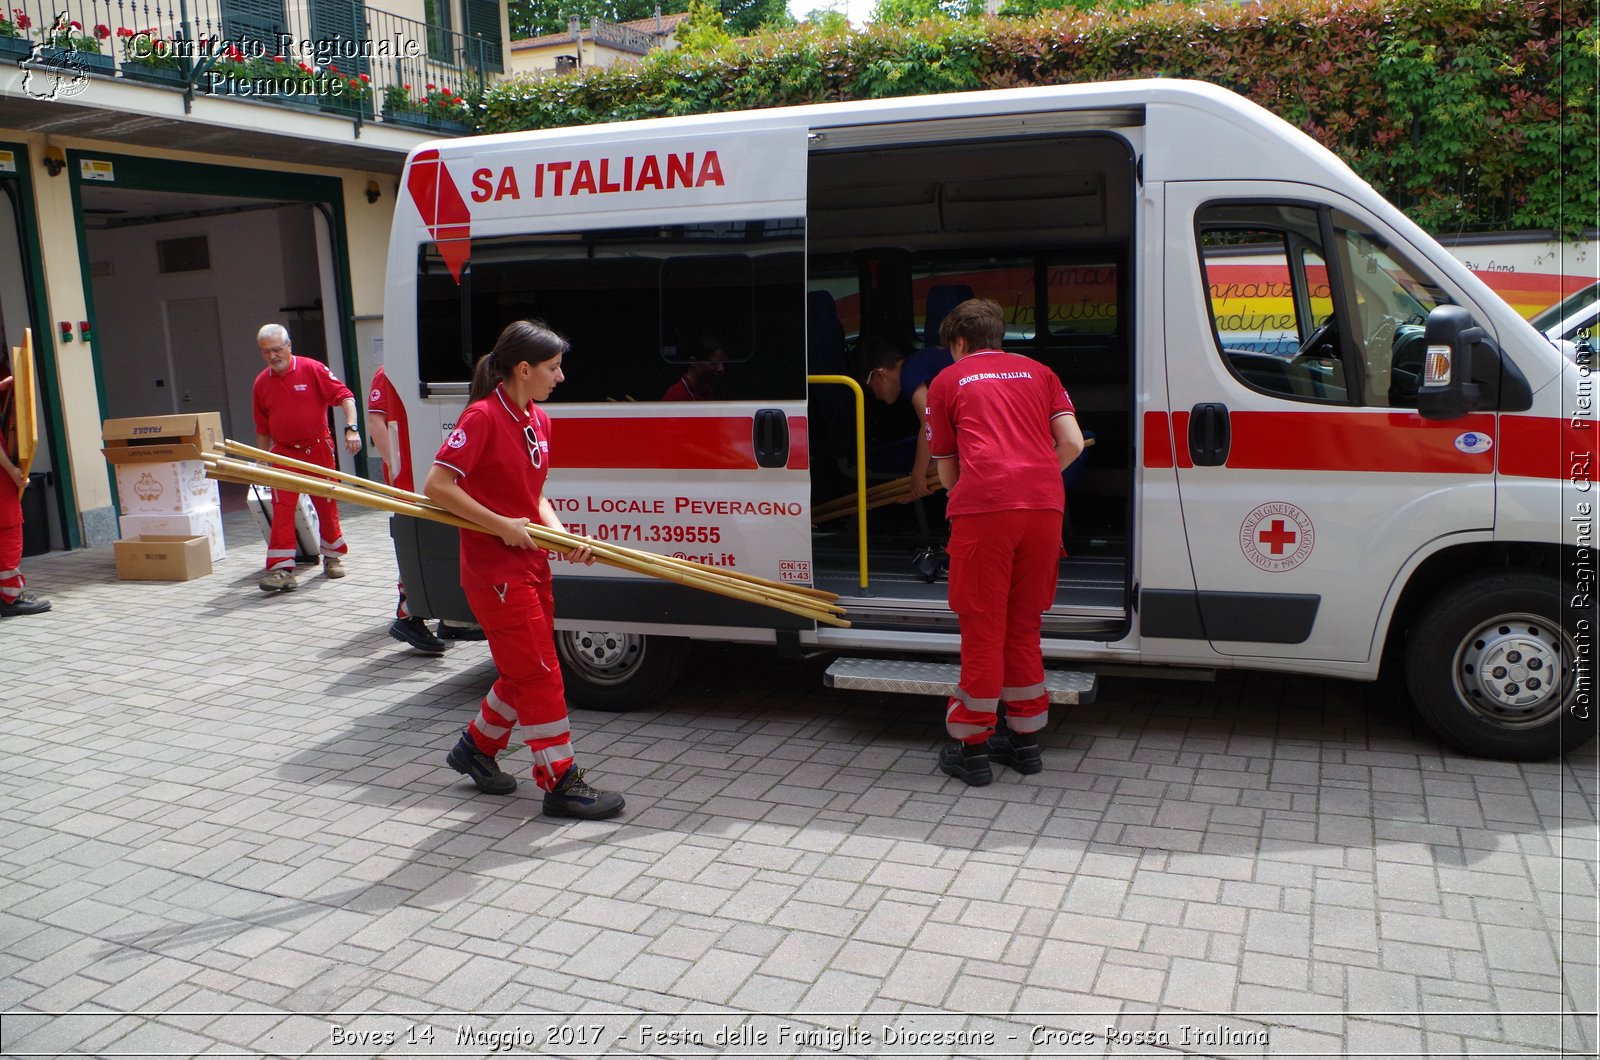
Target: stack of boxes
(171,524)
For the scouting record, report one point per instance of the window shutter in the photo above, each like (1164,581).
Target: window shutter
(344,21)
(261,21)
(483,17)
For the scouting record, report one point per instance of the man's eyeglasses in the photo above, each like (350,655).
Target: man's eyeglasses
(533,446)
(276,349)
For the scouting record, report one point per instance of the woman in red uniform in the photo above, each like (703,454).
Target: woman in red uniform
(1001,428)
(491,470)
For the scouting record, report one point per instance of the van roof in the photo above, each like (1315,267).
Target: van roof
(1196,130)
(1111,95)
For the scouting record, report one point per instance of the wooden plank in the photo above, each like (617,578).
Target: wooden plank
(24,401)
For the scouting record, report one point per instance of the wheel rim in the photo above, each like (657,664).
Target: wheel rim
(1514,670)
(600,656)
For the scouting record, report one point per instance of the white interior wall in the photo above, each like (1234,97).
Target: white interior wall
(246,277)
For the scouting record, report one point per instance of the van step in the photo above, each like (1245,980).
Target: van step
(940,679)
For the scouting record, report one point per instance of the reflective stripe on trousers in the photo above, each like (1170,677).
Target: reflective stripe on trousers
(518,621)
(1002,579)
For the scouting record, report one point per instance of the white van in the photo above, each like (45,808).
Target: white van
(1243,324)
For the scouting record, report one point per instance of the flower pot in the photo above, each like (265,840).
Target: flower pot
(154,75)
(426,122)
(247,90)
(15,49)
(345,107)
(67,59)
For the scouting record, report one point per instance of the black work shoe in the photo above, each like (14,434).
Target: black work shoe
(414,632)
(1017,751)
(573,797)
(966,761)
(26,603)
(449,632)
(465,757)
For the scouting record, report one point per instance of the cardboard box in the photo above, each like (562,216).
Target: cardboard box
(165,487)
(167,559)
(147,439)
(206,523)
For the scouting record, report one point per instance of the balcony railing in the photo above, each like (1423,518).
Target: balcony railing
(339,56)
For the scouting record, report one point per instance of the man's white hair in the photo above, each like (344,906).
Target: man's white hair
(274,333)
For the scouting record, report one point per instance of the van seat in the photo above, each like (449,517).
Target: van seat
(942,297)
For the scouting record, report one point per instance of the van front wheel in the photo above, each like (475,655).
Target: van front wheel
(1493,670)
(618,671)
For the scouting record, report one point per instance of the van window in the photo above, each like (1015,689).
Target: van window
(1391,299)
(1076,298)
(1287,325)
(1271,305)
(938,288)
(638,305)
(1082,298)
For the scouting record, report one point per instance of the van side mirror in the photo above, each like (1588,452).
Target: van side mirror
(1447,391)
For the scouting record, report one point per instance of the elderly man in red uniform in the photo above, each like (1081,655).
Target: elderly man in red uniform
(291,399)
(1001,428)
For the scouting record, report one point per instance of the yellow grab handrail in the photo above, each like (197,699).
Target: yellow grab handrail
(861,461)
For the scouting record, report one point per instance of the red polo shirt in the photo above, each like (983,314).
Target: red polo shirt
(494,462)
(993,410)
(292,408)
(385,401)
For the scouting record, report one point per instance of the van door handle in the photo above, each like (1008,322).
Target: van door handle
(771,438)
(1209,434)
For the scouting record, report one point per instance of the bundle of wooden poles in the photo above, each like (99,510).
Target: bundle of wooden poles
(248,465)
(887,493)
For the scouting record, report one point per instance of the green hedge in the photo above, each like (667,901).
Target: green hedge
(1469,114)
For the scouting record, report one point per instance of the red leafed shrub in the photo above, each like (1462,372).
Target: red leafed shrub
(1469,114)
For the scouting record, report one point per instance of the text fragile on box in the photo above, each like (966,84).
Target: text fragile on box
(170,559)
(146,439)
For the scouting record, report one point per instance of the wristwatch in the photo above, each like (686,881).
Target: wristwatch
(352,427)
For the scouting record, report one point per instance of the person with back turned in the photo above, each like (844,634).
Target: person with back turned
(1001,429)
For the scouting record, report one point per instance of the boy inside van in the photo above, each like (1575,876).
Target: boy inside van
(891,374)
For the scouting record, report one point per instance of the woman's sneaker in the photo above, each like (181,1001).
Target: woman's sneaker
(415,632)
(1020,752)
(573,797)
(966,761)
(480,768)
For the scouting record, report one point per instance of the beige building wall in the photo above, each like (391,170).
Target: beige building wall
(366,231)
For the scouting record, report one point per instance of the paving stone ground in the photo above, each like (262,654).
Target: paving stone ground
(226,828)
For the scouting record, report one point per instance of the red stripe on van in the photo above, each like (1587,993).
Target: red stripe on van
(1157,440)
(1180,438)
(1357,441)
(1547,447)
(799,443)
(681,443)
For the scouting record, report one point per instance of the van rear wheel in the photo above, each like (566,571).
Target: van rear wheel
(603,670)
(1493,670)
